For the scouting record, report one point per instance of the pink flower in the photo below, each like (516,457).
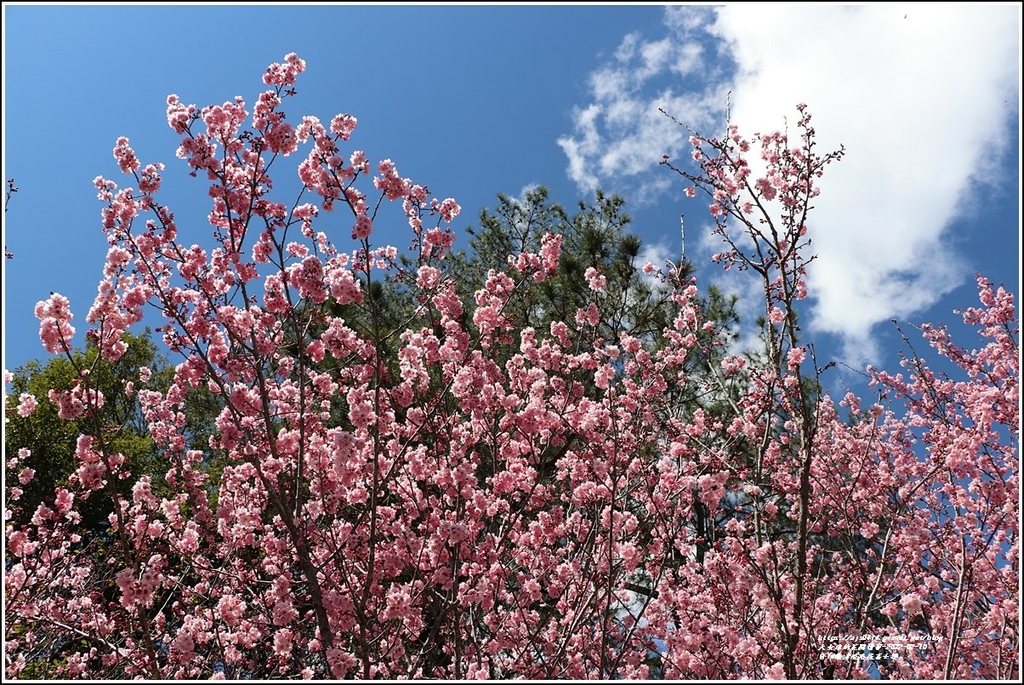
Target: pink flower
(360,409)
(149,180)
(766,188)
(340,662)
(912,603)
(64,500)
(344,287)
(283,642)
(595,279)
(363,227)
(284,74)
(440,238)
(183,647)
(733,364)
(550,250)
(359,162)
(26,405)
(178,115)
(316,350)
(125,156)
(55,329)
(427,277)
(284,612)
(390,182)
(280,138)
(231,609)
(604,376)
(19,544)
(449,209)
(343,125)
(589,315)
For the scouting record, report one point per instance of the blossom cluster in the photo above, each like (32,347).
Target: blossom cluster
(458,495)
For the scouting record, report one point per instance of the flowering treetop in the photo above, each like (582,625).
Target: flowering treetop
(437,491)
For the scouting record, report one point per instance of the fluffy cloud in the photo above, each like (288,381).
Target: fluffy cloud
(922,98)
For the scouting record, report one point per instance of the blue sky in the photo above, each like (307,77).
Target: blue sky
(476,100)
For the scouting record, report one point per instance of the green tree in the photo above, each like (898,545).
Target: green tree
(45,443)
(597,237)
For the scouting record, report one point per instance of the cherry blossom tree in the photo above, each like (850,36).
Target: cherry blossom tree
(496,500)
(48,441)
(855,538)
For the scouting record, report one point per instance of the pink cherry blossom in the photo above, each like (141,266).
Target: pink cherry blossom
(460,493)
(26,404)
(595,279)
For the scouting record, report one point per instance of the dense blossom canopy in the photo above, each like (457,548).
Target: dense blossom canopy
(450,493)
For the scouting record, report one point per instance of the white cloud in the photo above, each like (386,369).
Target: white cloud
(662,257)
(921,96)
(627,48)
(685,18)
(656,55)
(688,59)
